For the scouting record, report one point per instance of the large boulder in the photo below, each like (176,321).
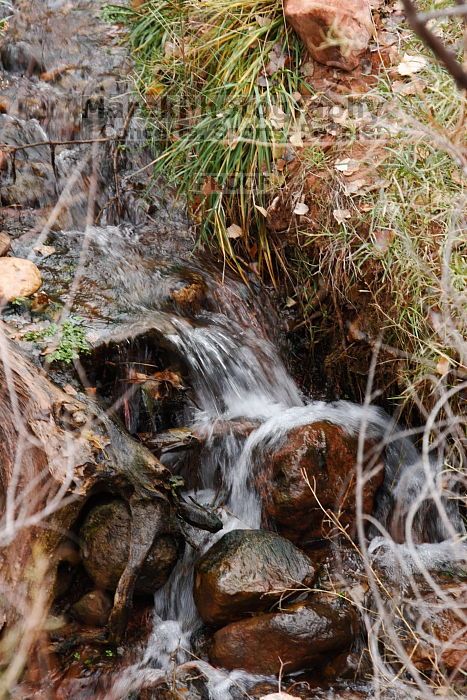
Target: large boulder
(335,33)
(247,571)
(299,637)
(18,278)
(320,459)
(105,544)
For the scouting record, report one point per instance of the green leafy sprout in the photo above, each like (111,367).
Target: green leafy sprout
(68,340)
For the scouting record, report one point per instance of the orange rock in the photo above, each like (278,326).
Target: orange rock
(325,456)
(299,637)
(18,278)
(335,33)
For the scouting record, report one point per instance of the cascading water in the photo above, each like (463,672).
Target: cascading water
(246,402)
(238,377)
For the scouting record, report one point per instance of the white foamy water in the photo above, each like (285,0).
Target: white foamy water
(238,376)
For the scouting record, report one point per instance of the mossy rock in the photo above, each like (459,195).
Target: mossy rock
(105,545)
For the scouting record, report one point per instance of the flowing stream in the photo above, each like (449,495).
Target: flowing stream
(245,400)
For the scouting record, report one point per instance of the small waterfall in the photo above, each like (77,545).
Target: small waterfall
(238,376)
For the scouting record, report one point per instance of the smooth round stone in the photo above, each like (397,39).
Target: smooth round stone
(18,278)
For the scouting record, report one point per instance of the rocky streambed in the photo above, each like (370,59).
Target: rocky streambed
(197,526)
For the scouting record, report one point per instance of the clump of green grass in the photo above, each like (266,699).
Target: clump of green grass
(67,341)
(404,242)
(221,83)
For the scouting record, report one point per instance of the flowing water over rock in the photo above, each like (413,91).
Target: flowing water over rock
(113,249)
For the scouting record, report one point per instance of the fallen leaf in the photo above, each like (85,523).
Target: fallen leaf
(383,239)
(296,139)
(276,60)
(411,64)
(277,117)
(262,210)
(339,115)
(355,187)
(348,166)
(308,69)
(443,366)
(341,215)
(172,49)
(301,209)
(289,302)
(263,21)
(97,441)
(234,231)
(45,250)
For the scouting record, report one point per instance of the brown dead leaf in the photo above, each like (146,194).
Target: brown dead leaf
(383,239)
(301,209)
(234,231)
(443,366)
(341,215)
(45,250)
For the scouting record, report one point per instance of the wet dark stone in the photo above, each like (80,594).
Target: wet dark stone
(247,571)
(303,636)
(327,457)
(21,58)
(105,537)
(93,608)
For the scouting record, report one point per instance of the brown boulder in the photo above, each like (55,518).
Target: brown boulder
(335,33)
(300,637)
(93,608)
(247,571)
(5,244)
(18,278)
(105,544)
(325,456)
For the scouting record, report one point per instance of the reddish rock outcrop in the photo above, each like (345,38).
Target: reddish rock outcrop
(335,33)
(300,637)
(248,571)
(325,456)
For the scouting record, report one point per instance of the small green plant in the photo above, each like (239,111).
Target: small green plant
(68,341)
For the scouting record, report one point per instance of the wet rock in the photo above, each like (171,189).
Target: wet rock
(105,537)
(18,278)
(93,608)
(327,457)
(5,244)
(348,665)
(247,571)
(300,637)
(187,681)
(21,58)
(335,33)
